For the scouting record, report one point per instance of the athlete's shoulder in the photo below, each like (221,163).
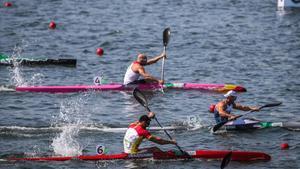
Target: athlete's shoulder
(221,105)
(141,130)
(132,125)
(222,102)
(136,67)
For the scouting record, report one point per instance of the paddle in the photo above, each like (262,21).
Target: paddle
(141,98)
(219,125)
(166,38)
(226,160)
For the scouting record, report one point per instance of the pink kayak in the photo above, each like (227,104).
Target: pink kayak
(121,87)
(168,155)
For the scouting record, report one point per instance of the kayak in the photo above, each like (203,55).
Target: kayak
(36,62)
(121,87)
(246,124)
(167,155)
(7,61)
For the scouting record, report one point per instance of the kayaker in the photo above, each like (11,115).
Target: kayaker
(137,131)
(222,110)
(136,69)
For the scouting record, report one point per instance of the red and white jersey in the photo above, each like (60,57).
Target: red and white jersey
(134,137)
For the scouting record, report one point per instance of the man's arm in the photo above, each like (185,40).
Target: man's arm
(156,58)
(151,115)
(161,141)
(244,108)
(146,75)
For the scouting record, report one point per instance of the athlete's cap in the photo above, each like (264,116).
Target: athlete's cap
(231,93)
(144,118)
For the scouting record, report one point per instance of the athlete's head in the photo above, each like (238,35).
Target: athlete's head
(142,58)
(145,120)
(231,96)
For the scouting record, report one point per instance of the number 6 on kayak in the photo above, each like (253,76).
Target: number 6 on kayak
(101,149)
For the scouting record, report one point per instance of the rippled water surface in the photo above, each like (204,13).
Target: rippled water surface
(248,43)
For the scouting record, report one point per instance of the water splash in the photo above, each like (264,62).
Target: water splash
(15,71)
(196,122)
(72,117)
(66,144)
(36,79)
(17,77)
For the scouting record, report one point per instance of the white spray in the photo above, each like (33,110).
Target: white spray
(17,77)
(15,71)
(71,118)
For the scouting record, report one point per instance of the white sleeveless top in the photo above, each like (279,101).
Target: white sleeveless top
(130,75)
(130,138)
(229,108)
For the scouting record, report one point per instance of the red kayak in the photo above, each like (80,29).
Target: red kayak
(168,155)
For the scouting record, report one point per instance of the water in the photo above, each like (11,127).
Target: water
(231,41)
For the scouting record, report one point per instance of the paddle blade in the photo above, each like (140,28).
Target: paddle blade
(140,97)
(166,36)
(271,105)
(226,160)
(218,126)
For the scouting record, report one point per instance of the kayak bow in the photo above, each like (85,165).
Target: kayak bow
(247,124)
(7,61)
(121,87)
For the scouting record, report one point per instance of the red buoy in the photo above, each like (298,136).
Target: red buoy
(7,4)
(99,51)
(52,25)
(284,146)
